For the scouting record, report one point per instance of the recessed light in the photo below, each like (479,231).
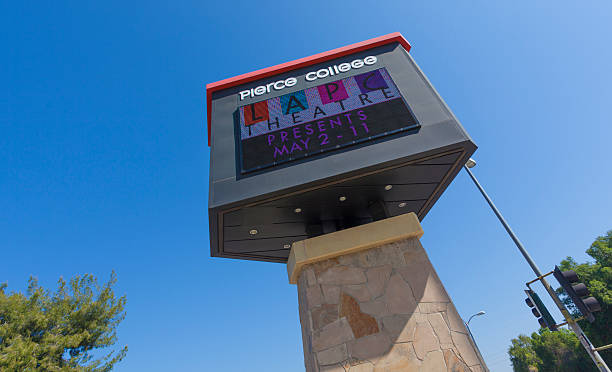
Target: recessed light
(287,246)
(297,210)
(342,198)
(401,205)
(388,187)
(253,232)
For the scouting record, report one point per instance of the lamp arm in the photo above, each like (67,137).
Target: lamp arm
(468,322)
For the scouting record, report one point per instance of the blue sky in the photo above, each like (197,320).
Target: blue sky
(104,161)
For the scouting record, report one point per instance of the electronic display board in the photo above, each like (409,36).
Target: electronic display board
(322,118)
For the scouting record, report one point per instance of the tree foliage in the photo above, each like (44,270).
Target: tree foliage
(598,278)
(561,351)
(62,331)
(548,351)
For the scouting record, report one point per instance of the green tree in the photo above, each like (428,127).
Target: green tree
(598,278)
(561,351)
(61,331)
(522,354)
(548,351)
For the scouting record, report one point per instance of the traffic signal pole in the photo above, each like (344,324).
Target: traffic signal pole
(573,325)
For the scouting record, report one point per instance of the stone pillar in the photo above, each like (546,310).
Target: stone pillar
(370,300)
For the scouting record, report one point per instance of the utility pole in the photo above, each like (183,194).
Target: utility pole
(573,325)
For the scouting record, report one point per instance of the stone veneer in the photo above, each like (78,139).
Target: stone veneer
(381,309)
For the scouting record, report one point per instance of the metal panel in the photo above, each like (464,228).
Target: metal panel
(295,217)
(446,159)
(406,175)
(272,230)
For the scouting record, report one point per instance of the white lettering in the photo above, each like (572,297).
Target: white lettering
(279,87)
(290,81)
(357,63)
(369,60)
(260,90)
(244,94)
(311,76)
(344,67)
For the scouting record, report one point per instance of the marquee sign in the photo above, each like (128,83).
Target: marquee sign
(323,143)
(326,117)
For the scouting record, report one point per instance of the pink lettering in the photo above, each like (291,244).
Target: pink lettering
(348,116)
(309,130)
(332,122)
(295,147)
(305,143)
(362,116)
(282,151)
(321,125)
(296,132)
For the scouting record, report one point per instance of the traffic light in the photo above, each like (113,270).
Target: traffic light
(540,311)
(576,292)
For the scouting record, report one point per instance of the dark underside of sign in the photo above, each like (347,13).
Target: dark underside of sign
(265,230)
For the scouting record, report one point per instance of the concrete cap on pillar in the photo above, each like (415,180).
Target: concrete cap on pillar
(339,243)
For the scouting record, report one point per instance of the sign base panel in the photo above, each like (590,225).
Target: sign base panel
(266,229)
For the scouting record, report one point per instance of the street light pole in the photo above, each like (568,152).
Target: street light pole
(477,314)
(574,326)
(467,325)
